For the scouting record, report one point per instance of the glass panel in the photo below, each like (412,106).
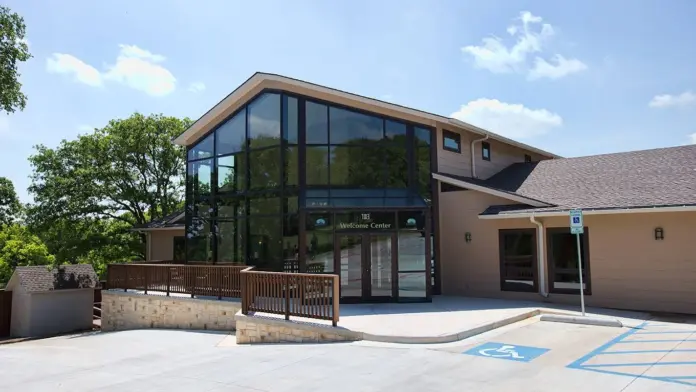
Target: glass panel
(264,121)
(316,202)
(231,173)
(204,149)
(395,132)
(264,205)
(320,251)
(412,251)
(450,143)
(422,136)
(179,249)
(357,166)
(290,124)
(292,165)
(424,177)
(486,152)
(265,243)
(396,167)
(231,241)
(264,168)
(317,123)
(381,265)
(231,136)
(198,241)
(290,205)
(200,209)
(564,257)
(291,250)
(412,285)
(199,177)
(518,261)
(350,257)
(348,127)
(357,202)
(229,207)
(317,165)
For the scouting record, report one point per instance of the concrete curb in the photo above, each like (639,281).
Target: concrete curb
(586,320)
(454,337)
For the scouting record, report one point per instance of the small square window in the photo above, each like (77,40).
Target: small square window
(451,141)
(486,151)
(527,158)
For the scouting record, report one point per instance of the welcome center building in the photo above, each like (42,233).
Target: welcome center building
(402,204)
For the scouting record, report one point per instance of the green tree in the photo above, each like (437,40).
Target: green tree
(128,171)
(18,247)
(10,208)
(13,49)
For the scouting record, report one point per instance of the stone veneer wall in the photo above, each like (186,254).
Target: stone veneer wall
(260,329)
(122,311)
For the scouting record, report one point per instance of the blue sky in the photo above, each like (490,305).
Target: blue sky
(572,78)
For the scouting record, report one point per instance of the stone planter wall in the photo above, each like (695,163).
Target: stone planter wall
(122,311)
(260,329)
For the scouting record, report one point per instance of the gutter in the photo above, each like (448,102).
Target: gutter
(541,256)
(473,156)
(685,208)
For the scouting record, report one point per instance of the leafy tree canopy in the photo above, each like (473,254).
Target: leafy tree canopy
(18,247)
(13,49)
(10,208)
(128,171)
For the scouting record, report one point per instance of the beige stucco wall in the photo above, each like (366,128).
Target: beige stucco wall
(629,268)
(502,155)
(162,243)
(122,311)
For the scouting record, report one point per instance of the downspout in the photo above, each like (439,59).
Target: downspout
(473,156)
(540,257)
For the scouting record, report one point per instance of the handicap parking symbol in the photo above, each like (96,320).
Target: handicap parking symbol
(507,351)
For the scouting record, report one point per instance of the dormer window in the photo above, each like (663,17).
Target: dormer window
(451,141)
(486,151)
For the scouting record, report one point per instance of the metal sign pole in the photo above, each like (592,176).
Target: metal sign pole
(582,290)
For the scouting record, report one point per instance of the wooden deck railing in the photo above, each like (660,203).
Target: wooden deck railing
(201,280)
(312,296)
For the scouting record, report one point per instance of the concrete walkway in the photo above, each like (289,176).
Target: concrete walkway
(449,319)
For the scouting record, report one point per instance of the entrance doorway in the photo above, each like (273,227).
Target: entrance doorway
(366,264)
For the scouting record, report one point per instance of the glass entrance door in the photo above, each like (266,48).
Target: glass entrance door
(366,267)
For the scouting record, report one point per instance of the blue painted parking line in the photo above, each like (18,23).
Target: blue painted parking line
(507,351)
(604,351)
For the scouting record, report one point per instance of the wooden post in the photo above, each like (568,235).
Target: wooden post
(286,283)
(244,292)
(169,279)
(125,279)
(335,312)
(147,281)
(220,280)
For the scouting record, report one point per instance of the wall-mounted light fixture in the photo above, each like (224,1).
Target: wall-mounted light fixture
(467,237)
(659,233)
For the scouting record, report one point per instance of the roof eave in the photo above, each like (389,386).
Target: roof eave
(491,191)
(598,211)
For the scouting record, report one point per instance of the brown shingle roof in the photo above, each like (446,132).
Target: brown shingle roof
(40,278)
(638,179)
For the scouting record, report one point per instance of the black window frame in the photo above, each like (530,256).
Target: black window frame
(485,146)
(551,270)
(453,136)
(535,259)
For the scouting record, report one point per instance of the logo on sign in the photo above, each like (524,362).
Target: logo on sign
(320,222)
(410,222)
(365,216)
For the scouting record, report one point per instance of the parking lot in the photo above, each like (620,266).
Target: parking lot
(527,356)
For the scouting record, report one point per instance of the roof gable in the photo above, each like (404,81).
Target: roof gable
(40,278)
(261,81)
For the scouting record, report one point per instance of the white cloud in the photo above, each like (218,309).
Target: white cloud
(510,120)
(70,65)
(692,138)
(556,69)
(667,100)
(135,67)
(532,37)
(196,87)
(85,128)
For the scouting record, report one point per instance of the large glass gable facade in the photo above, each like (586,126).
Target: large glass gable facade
(257,180)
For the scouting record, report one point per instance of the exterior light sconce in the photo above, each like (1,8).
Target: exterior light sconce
(467,237)
(659,234)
